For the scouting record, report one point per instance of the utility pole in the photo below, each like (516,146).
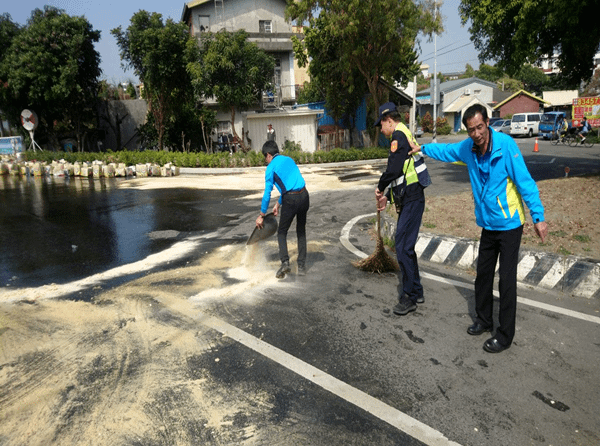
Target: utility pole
(413,113)
(434,95)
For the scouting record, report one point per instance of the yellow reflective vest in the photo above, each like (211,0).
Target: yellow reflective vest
(414,166)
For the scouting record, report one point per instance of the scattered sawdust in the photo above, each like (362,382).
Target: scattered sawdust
(572,211)
(317,178)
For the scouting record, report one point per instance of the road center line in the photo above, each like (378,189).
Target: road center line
(345,240)
(384,412)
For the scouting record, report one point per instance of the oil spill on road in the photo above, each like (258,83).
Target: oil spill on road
(551,402)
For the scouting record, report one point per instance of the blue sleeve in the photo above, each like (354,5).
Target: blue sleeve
(448,153)
(269,174)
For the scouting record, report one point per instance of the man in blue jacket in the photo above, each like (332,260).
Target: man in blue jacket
(283,173)
(500,181)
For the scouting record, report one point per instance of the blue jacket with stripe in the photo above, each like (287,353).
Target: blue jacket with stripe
(499,200)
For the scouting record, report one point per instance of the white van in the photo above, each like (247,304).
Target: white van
(525,124)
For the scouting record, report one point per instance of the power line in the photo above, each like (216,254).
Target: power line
(462,46)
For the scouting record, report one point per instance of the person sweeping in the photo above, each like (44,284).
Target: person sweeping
(407,177)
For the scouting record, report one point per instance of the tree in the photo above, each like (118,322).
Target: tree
(527,31)
(534,80)
(469,72)
(159,53)
(422,82)
(508,84)
(309,92)
(53,68)
(233,70)
(342,86)
(130,91)
(489,73)
(8,31)
(377,38)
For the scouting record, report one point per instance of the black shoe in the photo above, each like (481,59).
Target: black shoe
(493,346)
(283,270)
(404,306)
(476,329)
(301,270)
(420,300)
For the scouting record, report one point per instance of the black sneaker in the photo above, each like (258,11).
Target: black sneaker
(301,270)
(404,306)
(283,270)
(420,300)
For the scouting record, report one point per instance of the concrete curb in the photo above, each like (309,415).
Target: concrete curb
(568,274)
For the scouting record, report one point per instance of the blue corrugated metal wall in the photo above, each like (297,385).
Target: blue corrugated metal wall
(361,114)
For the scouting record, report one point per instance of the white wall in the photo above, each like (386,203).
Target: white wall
(486,94)
(242,14)
(299,126)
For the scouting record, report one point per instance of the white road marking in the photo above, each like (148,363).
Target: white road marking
(344,238)
(384,412)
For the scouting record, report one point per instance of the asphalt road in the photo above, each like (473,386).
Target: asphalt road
(200,344)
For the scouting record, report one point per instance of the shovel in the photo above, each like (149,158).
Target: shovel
(269,228)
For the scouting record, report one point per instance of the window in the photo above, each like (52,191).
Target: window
(477,92)
(202,24)
(224,127)
(277,73)
(264,26)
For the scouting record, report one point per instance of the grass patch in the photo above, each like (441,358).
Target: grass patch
(387,241)
(558,234)
(582,238)
(429,225)
(563,251)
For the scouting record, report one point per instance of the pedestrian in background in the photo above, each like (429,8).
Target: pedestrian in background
(500,182)
(283,173)
(407,177)
(271,133)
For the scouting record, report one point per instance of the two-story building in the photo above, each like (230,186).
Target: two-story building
(264,21)
(456,96)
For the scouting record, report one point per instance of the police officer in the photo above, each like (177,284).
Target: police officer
(408,177)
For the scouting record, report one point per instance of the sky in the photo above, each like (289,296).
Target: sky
(454,49)
(103,16)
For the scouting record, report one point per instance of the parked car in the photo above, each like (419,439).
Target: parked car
(419,132)
(502,125)
(492,120)
(525,124)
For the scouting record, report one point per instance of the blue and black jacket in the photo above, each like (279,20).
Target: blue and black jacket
(283,173)
(499,198)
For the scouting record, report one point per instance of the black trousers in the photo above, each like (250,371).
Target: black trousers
(493,245)
(293,205)
(407,232)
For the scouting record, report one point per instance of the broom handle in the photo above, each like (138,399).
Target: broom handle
(378,224)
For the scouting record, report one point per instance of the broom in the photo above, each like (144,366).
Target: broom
(380,261)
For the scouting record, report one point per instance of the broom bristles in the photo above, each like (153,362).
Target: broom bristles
(378,262)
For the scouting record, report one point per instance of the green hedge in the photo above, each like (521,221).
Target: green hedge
(202,159)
